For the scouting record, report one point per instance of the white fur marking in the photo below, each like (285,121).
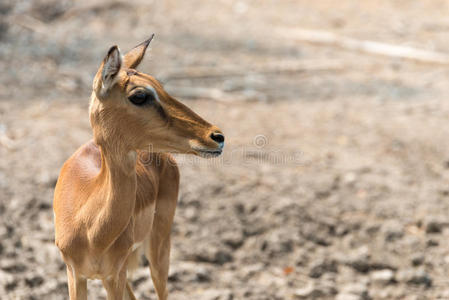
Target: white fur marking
(135,246)
(150,88)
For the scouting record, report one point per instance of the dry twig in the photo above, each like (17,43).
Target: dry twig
(95,8)
(5,141)
(279,67)
(29,23)
(369,47)
(212,94)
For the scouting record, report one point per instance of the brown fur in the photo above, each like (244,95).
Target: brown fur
(113,194)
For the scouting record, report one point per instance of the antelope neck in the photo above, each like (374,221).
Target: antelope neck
(118,170)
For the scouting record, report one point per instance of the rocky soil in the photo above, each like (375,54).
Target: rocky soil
(333,185)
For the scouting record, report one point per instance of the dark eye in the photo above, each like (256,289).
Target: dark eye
(141,98)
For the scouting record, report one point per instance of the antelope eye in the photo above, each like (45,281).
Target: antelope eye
(141,98)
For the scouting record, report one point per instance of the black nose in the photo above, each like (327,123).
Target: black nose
(217,136)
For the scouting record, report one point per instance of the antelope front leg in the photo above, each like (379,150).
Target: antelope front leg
(77,286)
(129,295)
(157,248)
(158,254)
(115,287)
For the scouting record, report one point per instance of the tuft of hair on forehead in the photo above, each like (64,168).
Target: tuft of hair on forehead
(131,72)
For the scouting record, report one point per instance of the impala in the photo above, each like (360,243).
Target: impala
(113,196)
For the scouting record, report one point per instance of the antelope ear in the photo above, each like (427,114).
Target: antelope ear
(133,58)
(107,73)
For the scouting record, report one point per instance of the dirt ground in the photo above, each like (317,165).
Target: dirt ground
(334,180)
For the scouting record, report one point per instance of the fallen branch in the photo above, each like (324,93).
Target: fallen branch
(213,94)
(369,47)
(94,8)
(196,92)
(280,67)
(6,142)
(29,23)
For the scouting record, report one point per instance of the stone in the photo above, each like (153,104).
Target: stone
(315,291)
(415,277)
(307,292)
(392,230)
(361,261)
(188,272)
(382,277)
(214,256)
(356,289)
(434,224)
(417,259)
(233,239)
(13,267)
(320,267)
(344,296)
(34,281)
(7,281)
(251,270)
(432,243)
(215,294)
(444,294)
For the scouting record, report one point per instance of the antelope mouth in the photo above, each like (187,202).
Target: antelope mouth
(207,153)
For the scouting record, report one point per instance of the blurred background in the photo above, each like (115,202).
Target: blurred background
(334,181)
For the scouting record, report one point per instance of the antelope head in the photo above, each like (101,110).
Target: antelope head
(131,110)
